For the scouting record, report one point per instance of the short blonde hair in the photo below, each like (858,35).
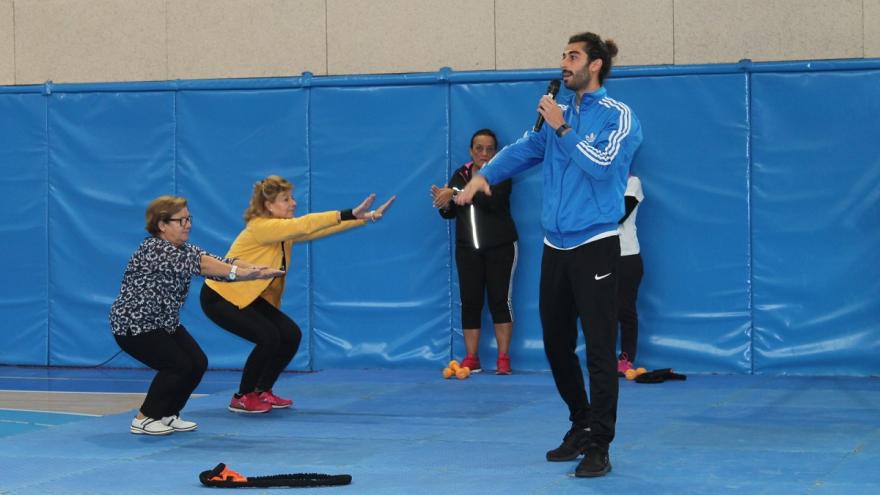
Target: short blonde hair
(160,210)
(265,190)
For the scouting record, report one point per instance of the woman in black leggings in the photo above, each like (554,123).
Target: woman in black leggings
(251,309)
(485,252)
(145,317)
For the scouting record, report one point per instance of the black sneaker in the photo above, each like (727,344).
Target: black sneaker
(595,464)
(574,443)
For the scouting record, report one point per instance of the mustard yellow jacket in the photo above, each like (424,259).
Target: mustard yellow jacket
(260,243)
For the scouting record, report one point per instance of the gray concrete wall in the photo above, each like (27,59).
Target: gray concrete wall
(726,31)
(871,20)
(134,40)
(7,44)
(89,40)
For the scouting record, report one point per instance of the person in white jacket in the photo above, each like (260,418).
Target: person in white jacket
(629,276)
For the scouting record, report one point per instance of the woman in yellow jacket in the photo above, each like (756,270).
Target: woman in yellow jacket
(251,309)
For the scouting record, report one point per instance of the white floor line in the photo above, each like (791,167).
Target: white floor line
(81,392)
(46,412)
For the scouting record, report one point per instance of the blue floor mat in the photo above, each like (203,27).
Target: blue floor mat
(14,422)
(405,432)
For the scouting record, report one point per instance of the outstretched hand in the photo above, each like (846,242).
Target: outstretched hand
(478,183)
(441,196)
(359,210)
(361,213)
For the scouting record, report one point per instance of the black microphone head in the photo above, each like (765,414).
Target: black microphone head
(552,89)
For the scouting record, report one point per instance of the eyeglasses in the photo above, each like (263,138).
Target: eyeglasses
(182,220)
(481,149)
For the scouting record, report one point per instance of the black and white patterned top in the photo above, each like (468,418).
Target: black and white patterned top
(154,286)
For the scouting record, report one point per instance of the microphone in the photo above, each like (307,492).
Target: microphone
(552,89)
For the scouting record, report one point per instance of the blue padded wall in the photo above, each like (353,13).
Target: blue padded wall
(758,230)
(816,222)
(381,295)
(694,223)
(226,141)
(23,200)
(110,154)
(475,106)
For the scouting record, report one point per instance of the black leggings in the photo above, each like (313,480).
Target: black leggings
(627,292)
(276,336)
(481,271)
(179,361)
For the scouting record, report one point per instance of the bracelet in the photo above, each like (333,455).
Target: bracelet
(561,129)
(346,215)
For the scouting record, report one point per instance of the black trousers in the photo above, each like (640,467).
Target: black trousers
(276,336)
(582,284)
(481,271)
(629,279)
(179,361)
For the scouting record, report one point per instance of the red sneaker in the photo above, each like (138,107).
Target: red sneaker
(273,400)
(623,364)
(249,404)
(502,365)
(472,362)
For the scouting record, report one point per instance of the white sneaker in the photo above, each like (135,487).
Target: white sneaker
(150,426)
(179,424)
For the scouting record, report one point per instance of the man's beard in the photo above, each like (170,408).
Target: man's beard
(578,80)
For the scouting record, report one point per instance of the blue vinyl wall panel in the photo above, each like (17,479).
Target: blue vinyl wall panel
(475,106)
(816,222)
(110,154)
(23,236)
(693,226)
(759,230)
(381,294)
(226,141)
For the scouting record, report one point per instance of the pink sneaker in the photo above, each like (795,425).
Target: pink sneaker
(273,400)
(623,364)
(249,403)
(472,362)
(502,365)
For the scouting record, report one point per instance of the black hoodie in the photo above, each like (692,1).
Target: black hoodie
(494,225)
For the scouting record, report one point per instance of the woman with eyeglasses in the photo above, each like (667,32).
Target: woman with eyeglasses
(145,317)
(485,252)
(251,310)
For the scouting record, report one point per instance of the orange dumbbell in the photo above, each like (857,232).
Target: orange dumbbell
(632,373)
(456,370)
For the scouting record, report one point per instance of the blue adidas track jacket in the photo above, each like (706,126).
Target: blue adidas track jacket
(585,171)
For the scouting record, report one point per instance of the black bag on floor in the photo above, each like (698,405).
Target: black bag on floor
(659,376)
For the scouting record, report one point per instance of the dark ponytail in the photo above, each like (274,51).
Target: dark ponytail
(596,48)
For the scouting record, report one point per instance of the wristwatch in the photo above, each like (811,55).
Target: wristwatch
(561,129)
(232,272)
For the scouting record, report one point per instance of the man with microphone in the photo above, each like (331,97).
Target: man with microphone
(587,146)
